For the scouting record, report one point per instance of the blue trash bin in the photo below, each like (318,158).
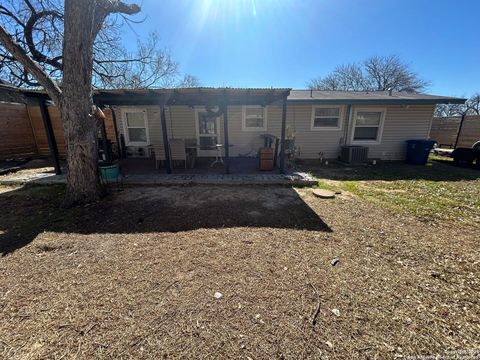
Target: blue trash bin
(418,151)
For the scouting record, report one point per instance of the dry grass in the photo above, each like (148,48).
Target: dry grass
(135,277)
(438,192)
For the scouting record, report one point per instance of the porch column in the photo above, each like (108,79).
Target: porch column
(52,143)
(103,130)
(104,142)
(117,137)
(166,146)
(225,134)
(282,136)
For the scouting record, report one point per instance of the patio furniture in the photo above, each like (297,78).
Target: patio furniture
(110,173)
(218,155)
(178,151)
(159,152)
(265,155)
(291,152)
(191,149)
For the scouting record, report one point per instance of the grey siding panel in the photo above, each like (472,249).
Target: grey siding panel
(154,125)
(153,121)
(313,142)
(180,122)
(247,143)
(402,123)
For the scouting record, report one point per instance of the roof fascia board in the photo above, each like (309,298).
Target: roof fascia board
(375,102)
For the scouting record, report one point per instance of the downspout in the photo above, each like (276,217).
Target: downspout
(347,124)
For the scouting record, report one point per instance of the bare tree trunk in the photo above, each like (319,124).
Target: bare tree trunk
(76,105)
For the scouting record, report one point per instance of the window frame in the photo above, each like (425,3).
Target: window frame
(378,141)
(327,128)
(126,127)
(244,118)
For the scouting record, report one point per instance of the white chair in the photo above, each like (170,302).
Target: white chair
(177,151)
(159,151)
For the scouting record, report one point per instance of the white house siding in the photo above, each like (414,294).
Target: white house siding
(401,123)
(247,143)
(180,122)
(313,142)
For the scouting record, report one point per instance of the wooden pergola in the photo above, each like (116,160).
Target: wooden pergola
(219,98)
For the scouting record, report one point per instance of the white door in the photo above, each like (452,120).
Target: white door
(208,133)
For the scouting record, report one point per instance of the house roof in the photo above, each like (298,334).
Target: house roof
(368,98)
(195,96)
(246,96)
(185,96)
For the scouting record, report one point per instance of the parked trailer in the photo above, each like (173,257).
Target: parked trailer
(467,157)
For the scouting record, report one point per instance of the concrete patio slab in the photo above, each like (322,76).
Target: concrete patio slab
(296,179)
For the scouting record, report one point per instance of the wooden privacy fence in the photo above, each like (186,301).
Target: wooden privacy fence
(16,133)
(22,131)
(444,130)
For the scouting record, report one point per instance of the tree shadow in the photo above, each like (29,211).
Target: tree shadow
(34,209)
(437,170)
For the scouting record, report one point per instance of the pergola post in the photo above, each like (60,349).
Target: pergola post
(225,134)
(103,131)
(166,146)
(282,135)
(52,144)
(117,137)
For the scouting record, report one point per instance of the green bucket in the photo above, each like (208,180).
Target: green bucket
(109,173)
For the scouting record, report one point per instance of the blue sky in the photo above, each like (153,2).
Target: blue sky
(284,43)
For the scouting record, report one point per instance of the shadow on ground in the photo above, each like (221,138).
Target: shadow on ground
(26,212)
(437,170)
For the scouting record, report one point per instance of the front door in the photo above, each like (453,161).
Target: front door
(208,133)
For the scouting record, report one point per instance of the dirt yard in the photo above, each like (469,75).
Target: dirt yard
(232,272)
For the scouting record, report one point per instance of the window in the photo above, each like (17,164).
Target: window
(207,131)
(326,118)
(135,127)
(368,126)
(254,118)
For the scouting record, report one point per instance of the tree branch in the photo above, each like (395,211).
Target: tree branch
(107,7)
(37,55)
(31,66)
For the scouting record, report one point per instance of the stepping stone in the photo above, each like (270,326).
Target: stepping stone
(324,194)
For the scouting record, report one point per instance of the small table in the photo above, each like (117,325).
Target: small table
(191,151)
(218,155)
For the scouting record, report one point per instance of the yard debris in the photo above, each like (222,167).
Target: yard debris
(324,194)
(336,312)
(317,309)
(218,295)
(335,261)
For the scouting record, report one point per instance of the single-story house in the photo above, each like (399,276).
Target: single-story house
(317,124)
